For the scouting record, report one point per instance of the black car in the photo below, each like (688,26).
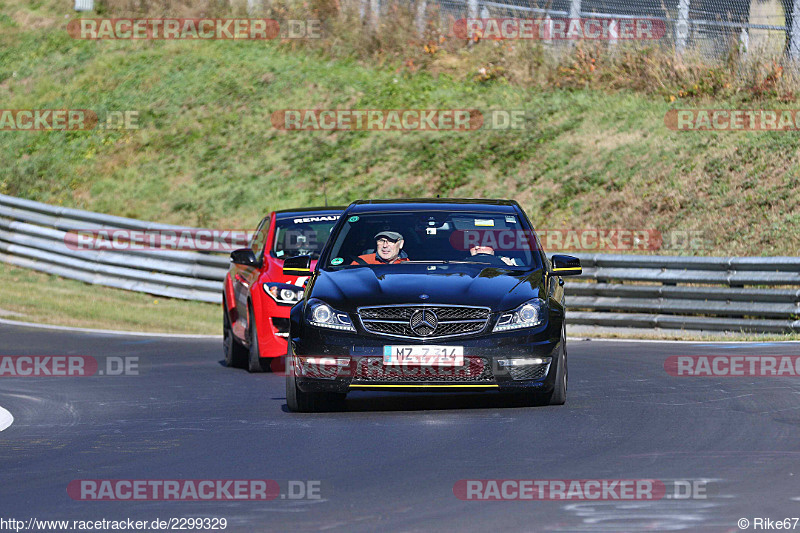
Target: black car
(424,295)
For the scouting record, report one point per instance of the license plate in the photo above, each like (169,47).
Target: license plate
(424,355)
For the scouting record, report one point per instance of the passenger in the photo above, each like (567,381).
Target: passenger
(488,250)
(388,250)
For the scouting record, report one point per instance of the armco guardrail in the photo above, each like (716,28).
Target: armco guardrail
(715,293)
(32,235)
(755,294)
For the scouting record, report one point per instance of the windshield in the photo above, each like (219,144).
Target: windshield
(434,237)
(302,235)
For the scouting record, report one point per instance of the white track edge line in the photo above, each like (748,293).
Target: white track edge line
(106,331)
(6,419)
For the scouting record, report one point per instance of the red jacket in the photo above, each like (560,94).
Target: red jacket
(372,259)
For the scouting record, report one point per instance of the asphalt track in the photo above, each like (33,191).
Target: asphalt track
(391,460)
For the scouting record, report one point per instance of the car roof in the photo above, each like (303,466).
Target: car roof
(305,211)
(435,204)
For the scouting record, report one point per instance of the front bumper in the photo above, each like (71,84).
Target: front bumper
(273,330)
(335,361)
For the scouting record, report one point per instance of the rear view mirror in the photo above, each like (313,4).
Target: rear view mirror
(299,265)
(566,265)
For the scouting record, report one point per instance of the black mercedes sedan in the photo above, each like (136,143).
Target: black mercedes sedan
(429,295)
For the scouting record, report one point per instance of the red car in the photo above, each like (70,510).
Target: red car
(257,295)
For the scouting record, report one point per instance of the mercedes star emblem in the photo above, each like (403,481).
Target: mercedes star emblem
(423,322)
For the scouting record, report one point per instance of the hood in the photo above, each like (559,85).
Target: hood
(459,284)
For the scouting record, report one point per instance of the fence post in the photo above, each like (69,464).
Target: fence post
(744,41)
(794,38)
(682,26)
(84,5)
(548,29)
(574,10)
(254,7)
(472,9)
(422,8)
(374,12)
(613,33)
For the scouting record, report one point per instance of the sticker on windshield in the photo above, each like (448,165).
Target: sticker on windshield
(511,220)
(279,253)
(323,218)
(487,222)
(337,261)
(353,219)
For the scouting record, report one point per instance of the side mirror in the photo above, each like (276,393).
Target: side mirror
(244,256)
(566,265)
(297,266)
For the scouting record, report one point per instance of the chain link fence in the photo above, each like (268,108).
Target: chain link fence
(712,28)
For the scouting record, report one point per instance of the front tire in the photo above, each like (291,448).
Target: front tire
(307,402)
(559,394)
(254,361)
(235,353)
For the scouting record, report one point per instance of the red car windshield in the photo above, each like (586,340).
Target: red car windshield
(302,235)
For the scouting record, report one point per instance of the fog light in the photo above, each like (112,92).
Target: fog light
(321,367)
(524,368)
(508,362)
(327,361)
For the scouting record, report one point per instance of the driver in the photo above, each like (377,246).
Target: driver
(388,250)
(488,250)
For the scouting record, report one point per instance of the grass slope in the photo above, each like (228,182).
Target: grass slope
(206,153)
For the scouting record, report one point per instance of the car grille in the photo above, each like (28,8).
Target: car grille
(424,321)
(372,369)
(528,371)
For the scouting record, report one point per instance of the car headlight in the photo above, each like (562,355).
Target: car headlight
(283,293)
(323,315)
(528,315)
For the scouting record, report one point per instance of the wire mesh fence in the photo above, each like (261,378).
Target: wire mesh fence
(712,28)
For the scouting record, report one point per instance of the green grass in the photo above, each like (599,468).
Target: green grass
(30,296)
(206,153)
